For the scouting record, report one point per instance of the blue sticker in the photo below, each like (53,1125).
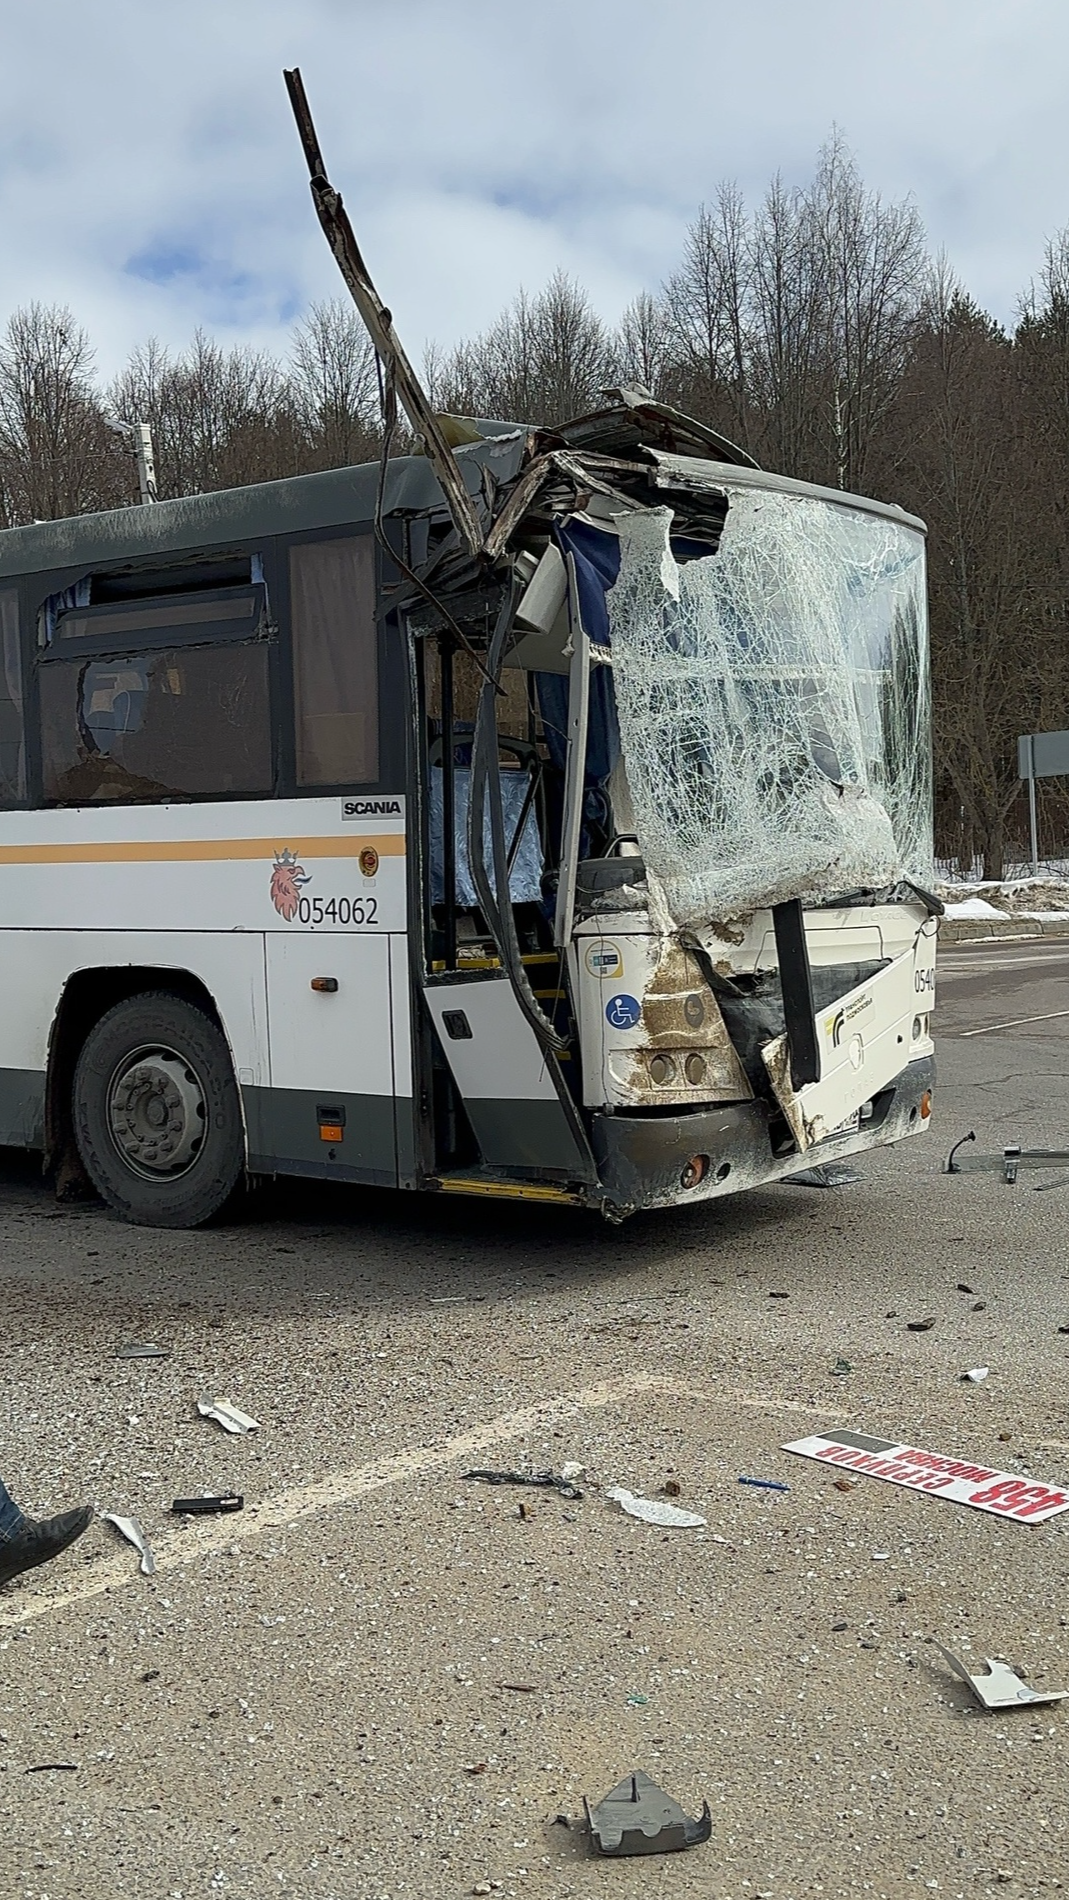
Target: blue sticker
(622,1012)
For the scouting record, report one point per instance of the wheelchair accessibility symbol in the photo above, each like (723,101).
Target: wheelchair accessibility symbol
(622,1012)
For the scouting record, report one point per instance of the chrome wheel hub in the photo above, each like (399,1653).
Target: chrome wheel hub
(157,1115)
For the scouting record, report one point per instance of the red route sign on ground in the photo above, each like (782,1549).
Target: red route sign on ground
(1002,1493)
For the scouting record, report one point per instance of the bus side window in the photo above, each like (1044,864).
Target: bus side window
(184,722)
(335,660)
(12,747)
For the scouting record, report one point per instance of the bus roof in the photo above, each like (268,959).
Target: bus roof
(334,498)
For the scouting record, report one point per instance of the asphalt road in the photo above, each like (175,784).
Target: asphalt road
(381,1682)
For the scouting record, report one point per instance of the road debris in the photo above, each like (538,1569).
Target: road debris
(52,1767)
(571,1469)
(962,1288)
(1000,1493)
(845,1484)
(976,1374)
(206,1506)
(672,1488)
(1008,1163)
(830,1174)
(765,1484)
(228,1416)
(637,1817)
(652,1511)
(920,1325)
(130,1529)
(999,1687)
(147,1351)
(542,1480)
(842,1366)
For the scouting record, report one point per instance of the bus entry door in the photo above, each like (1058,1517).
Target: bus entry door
(510,1095)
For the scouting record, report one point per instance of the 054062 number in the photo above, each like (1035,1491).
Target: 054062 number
(337,910)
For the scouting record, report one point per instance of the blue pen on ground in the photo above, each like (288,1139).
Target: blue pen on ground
(765,1484)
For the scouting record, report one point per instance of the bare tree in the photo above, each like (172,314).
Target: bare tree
(57,455)
(219,417)
(642,347)
(965,467)
(546,358)
(335,387)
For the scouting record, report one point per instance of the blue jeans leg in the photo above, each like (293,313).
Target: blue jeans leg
(11,1518)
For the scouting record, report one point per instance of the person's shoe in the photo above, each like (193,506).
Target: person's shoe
(35,1543)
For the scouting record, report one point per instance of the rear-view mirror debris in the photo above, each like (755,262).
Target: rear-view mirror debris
(1008,1162)
(999,1687)
(147,1351)
(637,1817)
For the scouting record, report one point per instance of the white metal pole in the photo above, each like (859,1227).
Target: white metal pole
(1032,803)
(146,464)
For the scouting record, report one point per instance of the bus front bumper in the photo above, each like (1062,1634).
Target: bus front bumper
(647,1161)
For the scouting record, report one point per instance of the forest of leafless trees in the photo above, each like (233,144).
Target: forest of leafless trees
(816,330)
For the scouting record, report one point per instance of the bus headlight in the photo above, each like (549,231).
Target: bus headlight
(694,1070)
(662,1070)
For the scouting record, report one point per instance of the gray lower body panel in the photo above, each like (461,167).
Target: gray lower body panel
(22,1108)
(641,1158)
(527,1138)
(283,1134)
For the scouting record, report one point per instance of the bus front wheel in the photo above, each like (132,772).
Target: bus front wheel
(156,1112)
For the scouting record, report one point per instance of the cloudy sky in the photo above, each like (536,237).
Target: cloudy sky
(150,174)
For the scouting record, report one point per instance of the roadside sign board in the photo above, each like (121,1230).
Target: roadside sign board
(1043,754)
(1002,1493)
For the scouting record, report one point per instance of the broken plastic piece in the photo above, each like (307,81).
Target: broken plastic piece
(542,1480)
(1011,1161)
(228,1416)
(829,1174)
(637,1817)
(765,1484)
(976,1374)
(143,1352)
(129,1528)
(206,1506)
(651,1511)
(1000,1688)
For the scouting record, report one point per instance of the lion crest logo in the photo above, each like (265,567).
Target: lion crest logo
(287,876)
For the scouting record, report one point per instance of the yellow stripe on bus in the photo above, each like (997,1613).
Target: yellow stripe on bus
(201,850)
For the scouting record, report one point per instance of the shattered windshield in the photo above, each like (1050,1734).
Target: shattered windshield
(774,704)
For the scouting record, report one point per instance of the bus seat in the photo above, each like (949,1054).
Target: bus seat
(525,881)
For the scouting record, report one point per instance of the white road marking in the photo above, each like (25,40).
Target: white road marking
(212,1535)
(1017,1023)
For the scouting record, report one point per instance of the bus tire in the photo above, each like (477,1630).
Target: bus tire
(157,1116)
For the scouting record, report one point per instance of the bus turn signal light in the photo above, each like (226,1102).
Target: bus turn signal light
(326,985)
(926,1105)
(695,1171)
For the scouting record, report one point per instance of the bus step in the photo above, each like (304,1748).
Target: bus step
(500,1188)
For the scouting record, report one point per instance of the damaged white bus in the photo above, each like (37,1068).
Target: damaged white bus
(589,866)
